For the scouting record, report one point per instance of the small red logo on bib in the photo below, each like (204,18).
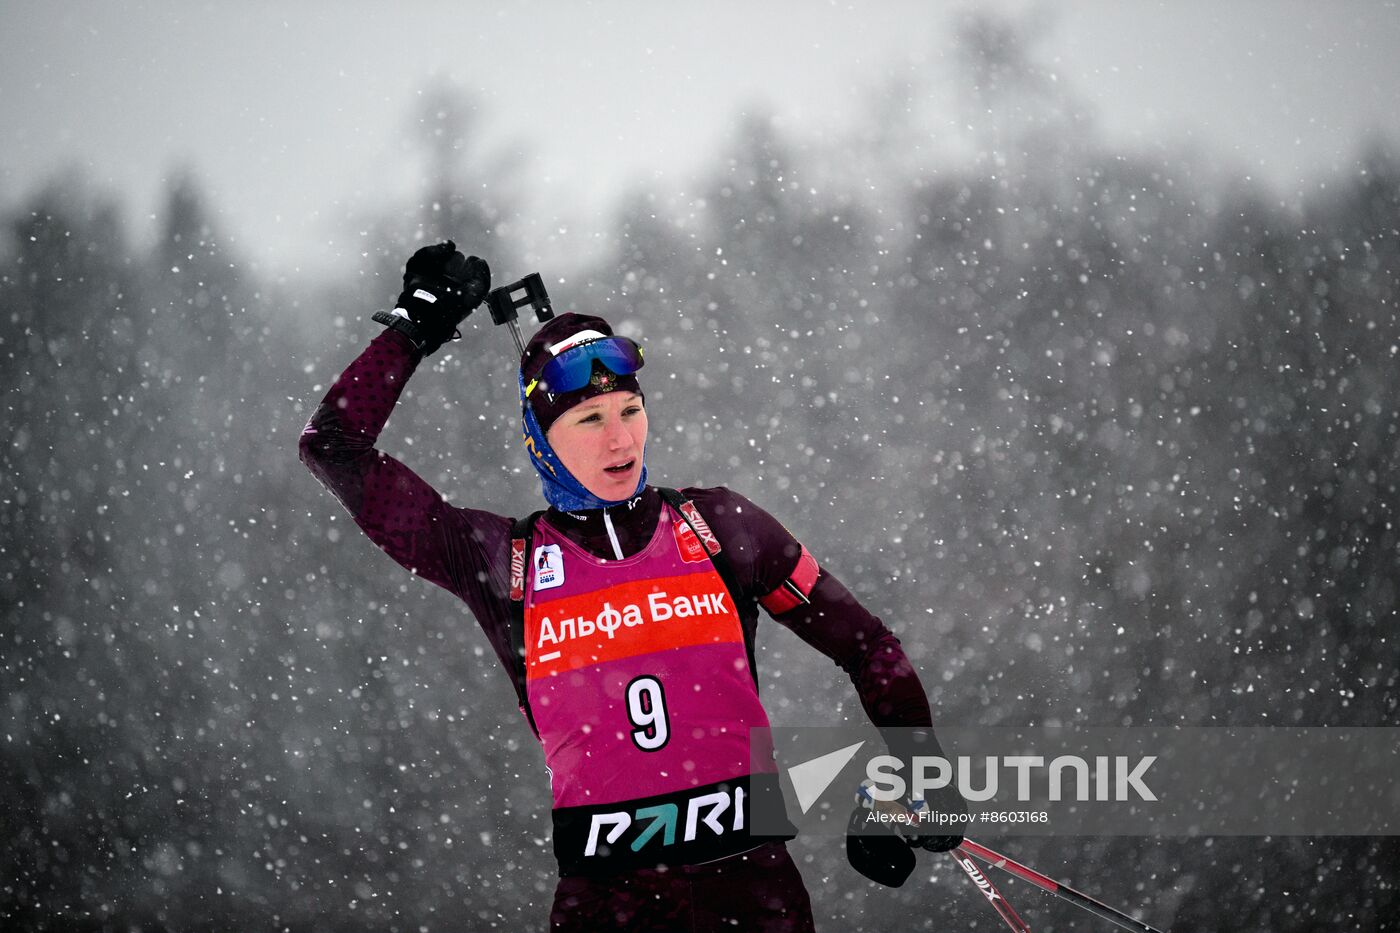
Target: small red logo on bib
(692,551)
(706,535)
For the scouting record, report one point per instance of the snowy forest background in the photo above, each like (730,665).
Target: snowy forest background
(1107,437)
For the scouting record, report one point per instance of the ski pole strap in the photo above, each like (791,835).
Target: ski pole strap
(522,530)
(403,325)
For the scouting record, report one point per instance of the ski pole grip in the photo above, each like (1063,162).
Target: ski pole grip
(505,301)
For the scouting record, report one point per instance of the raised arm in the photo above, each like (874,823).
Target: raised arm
(394,506)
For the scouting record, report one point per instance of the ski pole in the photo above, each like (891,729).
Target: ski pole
(1064,891)
(984,884)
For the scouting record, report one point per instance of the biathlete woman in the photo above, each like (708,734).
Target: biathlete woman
(624,615)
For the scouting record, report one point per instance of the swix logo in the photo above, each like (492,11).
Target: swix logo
(975,873)
(517,569)
(706,535)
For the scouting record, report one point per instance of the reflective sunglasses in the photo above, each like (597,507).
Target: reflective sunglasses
(573,368)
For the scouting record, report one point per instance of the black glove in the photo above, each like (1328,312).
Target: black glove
(942,817)
(876,850)
(932,836)
(440,288)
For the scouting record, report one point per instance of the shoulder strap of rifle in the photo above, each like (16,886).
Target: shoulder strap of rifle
(522,530)
(715,550)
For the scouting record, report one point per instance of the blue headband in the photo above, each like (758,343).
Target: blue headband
(560,487)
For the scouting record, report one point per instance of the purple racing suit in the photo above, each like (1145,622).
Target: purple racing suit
(468,552)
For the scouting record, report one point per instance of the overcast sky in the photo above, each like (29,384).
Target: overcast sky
(295,113)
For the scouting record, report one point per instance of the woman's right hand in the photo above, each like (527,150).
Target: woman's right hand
(440,288)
